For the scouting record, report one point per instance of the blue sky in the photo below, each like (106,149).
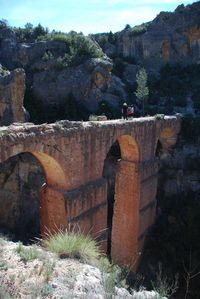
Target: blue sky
(88,16)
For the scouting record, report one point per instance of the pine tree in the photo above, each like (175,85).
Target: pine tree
(142,91)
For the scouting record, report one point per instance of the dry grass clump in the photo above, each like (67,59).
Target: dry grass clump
(73,245)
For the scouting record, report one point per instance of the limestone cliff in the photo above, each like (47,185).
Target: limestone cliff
(170,37)
(51,80)
(12,87)
(179,173)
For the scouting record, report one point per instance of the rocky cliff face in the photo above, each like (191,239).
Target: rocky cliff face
(179,173)
(51,81)
(12,87)
(170,37)
(90,83)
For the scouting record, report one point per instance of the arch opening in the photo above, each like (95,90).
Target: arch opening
(21,177)
(31,196)
(122,174)
(109,172)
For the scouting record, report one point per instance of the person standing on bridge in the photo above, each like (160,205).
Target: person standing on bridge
(124,111)
(130,111)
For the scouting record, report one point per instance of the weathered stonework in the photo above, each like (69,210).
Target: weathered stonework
(72,156)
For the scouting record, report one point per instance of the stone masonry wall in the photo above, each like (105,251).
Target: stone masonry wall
(72,157)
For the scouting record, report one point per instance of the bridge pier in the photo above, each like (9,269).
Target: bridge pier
(124,244)
(53,216)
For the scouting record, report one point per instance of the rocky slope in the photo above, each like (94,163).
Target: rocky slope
(44,275)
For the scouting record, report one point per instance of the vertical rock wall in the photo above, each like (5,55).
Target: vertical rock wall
(12,87)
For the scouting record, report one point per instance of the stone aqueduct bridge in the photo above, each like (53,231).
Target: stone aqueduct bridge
(72,156)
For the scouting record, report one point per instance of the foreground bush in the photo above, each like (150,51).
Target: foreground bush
(73,245)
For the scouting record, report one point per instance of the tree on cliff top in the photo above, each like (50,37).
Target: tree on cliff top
(142,91)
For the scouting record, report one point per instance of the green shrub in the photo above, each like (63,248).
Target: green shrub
(26,254)
(73,245)
(47,290)
(57,36)
(164,286)
(39,30)
(3,71)
(48,270)
(139,29)
(47,56)
(79,47)
(111,275)
(3,266)
(82,48)
(93,117)
(30,33)
(159,116)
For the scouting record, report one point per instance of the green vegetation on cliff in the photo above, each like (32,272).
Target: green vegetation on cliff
(79,47)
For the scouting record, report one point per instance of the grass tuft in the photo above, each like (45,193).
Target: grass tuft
(73,245)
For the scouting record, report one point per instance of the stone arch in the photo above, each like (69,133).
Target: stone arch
(125,223)
(52,206)
(53,216)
